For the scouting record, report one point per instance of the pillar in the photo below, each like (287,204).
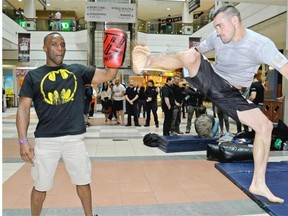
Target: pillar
(91,26)
(91,43)
(30,14)
(29,9)
(186,17)
(285,81)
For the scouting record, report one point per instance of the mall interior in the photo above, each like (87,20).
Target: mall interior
(129,178)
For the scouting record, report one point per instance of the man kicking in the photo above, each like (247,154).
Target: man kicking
(239,54)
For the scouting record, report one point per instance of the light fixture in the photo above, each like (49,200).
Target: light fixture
(168,9)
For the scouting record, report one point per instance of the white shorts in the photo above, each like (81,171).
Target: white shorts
(47,154)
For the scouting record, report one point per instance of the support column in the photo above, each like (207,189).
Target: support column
(186,17)
(30,14)
(91,43)
(285,81)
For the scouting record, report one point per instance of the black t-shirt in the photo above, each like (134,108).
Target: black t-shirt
(131,93)
(167,92)
(58,95)
(177,93)
(259,89)
(152,93)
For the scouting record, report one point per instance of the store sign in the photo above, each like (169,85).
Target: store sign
(104,12)
(9,85)
(66,25)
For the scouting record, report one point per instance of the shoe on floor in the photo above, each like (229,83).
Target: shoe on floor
(179,132)
(174,133)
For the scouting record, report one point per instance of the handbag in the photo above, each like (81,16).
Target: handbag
(106,110)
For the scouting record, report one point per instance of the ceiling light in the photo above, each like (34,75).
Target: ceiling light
(168,9)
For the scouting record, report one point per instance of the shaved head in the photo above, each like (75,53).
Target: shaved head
(47,36)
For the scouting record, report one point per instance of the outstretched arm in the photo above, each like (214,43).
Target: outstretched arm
(103,75)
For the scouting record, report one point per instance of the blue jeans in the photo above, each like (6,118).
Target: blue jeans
(215,128)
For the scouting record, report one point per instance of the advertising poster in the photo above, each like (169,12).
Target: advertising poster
(9,85)
(23,47)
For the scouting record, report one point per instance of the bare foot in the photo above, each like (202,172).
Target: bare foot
(265,192)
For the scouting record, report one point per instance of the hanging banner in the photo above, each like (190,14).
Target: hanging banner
(110,12)
(23,47)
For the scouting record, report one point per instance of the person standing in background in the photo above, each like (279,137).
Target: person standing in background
(151,93)
(132,96)
(87,101)
(118,100)
(194,100)
(257,92)
(167,104)
(58,18)
(93,103)
(223,119)
(51,22)
(106,102)
(176,118)
(142,101)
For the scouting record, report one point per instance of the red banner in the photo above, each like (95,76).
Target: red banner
(23,47)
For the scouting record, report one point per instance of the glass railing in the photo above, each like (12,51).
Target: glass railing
(152,27)
(162,27)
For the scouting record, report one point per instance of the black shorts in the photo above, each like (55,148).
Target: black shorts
(118,105)
(219,91)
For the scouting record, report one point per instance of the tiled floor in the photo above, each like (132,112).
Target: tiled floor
(129,178)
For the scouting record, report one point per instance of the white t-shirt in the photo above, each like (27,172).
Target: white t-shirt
(237,62)
(58,15)
(118,92)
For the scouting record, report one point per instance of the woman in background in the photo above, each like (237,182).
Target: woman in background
(105,96)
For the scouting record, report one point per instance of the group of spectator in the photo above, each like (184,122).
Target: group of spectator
(175,99)
(114,95)
(54,21)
